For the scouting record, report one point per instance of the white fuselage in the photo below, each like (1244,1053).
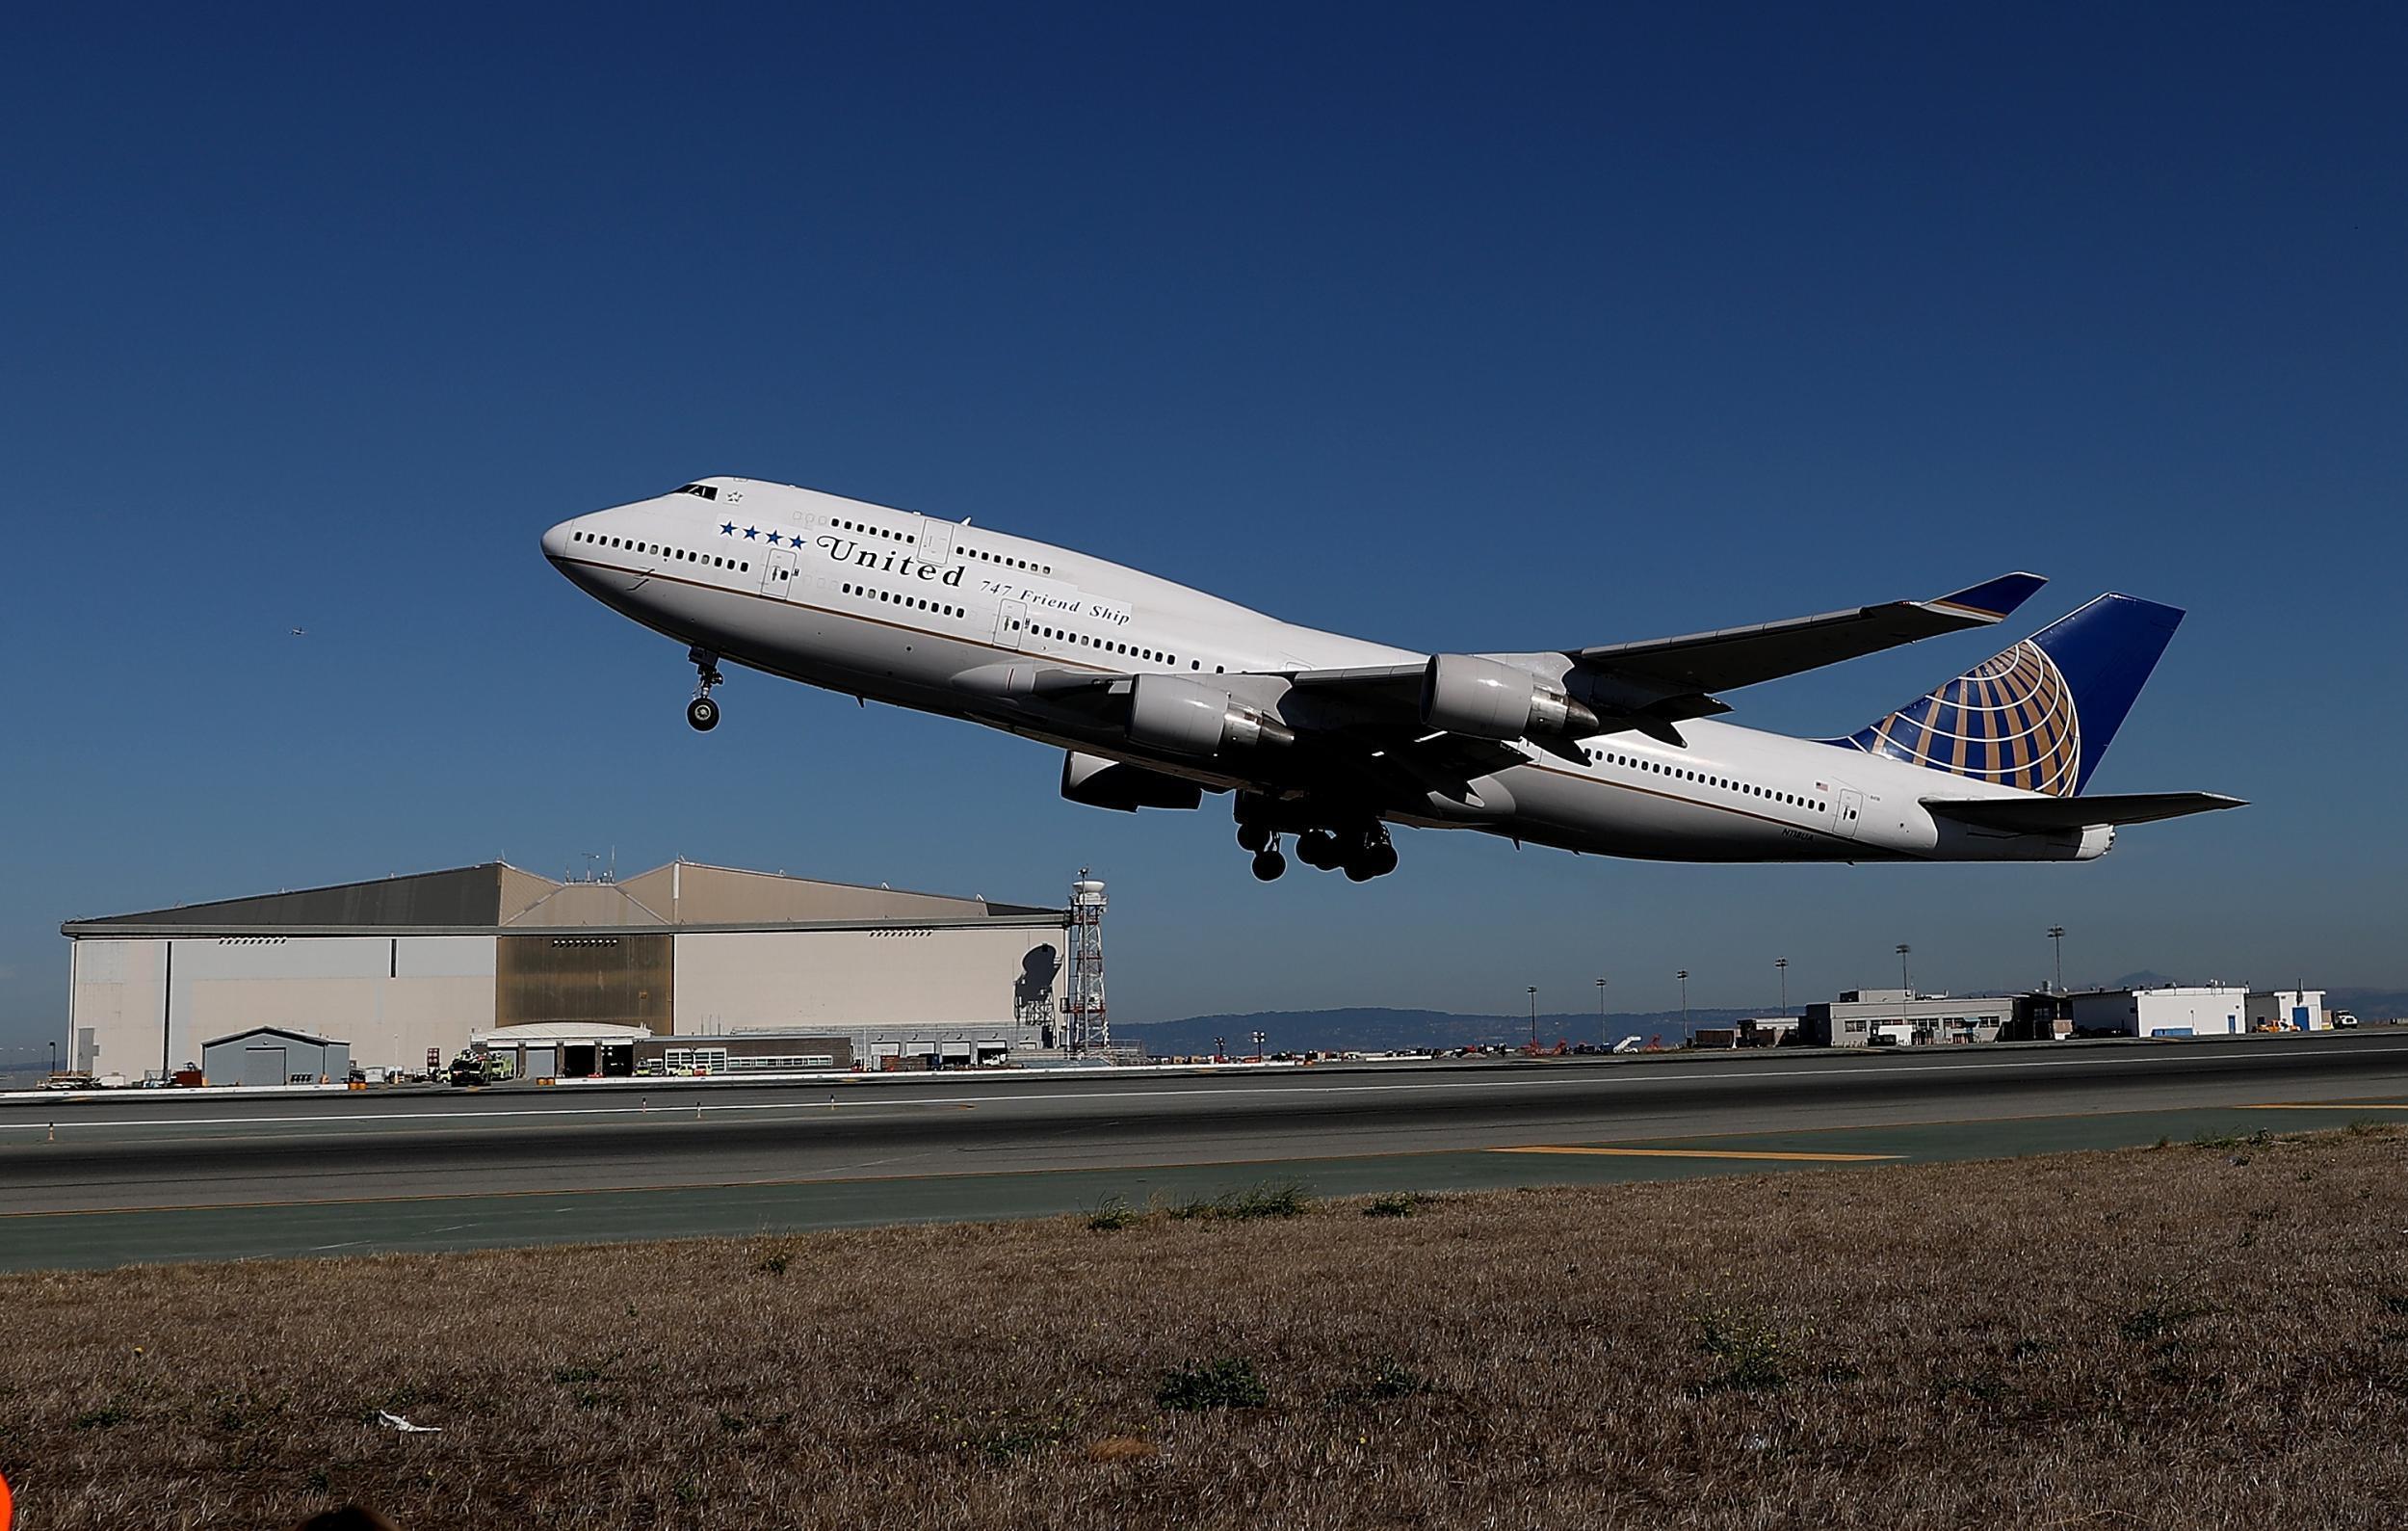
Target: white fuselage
(904,608)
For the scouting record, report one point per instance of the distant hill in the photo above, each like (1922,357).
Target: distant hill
(1381,1030)
(2369,1004)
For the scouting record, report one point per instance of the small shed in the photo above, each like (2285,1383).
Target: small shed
(271,1055)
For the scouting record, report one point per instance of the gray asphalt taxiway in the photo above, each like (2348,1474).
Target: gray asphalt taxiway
(151,1176)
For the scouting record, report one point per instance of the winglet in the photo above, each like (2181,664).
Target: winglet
(1993,599)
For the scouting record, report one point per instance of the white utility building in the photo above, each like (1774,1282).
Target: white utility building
(2214,1009)
(2288,1009)
(405,969)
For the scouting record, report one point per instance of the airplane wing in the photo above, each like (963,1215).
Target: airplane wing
(1655,683)
(1731,657)
(2044,815)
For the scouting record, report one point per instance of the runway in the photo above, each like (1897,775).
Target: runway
(145,1176)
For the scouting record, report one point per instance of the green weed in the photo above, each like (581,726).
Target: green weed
(1229,1383)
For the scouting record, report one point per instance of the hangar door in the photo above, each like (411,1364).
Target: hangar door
(263,1066)
(614,980)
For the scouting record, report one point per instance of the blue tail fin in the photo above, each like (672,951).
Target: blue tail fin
(2041,715)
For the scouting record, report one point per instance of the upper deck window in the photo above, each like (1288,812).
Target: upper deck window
(706,490)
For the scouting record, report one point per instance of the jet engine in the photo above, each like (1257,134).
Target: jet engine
(1484,699)
(1181,716)
(1102,784)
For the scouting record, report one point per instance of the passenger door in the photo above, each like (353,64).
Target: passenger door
(936,542)
(1851,812)
(1011,623)
(778,574)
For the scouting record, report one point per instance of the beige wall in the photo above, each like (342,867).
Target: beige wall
(391,1000)
(116,994)
(802,978)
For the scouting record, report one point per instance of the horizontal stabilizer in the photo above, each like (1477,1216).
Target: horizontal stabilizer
(2045,815)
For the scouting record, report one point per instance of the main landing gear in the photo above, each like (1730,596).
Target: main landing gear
(702,712)
(1268,864)
(1362,852)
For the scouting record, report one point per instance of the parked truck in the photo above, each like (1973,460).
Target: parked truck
(476,1066)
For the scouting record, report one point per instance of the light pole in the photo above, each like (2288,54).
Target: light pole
(54,1052)
(1220,1048)
(1602,1042)
(1904,981)
(2057,935)
(1782,966)
(1261,1047)
(1683,976)
(1534,1018)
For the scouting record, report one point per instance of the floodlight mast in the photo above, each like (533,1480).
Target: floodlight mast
(1090,1027)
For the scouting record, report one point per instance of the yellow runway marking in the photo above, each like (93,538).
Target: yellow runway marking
(1713,1153)
(2332,1105)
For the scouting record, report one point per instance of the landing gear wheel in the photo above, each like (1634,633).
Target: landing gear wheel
(1318,849)
(1359,870)
(1382,859)
(702,712)
(1268,864)
(1253,837)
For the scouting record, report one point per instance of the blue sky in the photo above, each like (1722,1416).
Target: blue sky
(1455,329)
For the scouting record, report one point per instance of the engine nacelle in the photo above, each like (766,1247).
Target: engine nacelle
(1484,699)
(1102,784)
(1181,716)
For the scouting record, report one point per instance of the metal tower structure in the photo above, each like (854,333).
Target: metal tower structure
(1089,1028)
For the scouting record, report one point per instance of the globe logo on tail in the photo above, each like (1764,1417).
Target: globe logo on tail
(2010,720)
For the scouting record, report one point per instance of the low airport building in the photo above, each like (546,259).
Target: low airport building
(2211,1010)
(410,971)
(1897,1015)
(2288,1010)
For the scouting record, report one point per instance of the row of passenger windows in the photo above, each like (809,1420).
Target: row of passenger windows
(915,602)
(1109,646)
(1703,778)
(660,551)
(1007,563)
(867,530)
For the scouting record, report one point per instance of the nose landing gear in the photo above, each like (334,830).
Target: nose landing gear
(702,712)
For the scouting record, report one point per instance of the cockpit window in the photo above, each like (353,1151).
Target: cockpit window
(706,490)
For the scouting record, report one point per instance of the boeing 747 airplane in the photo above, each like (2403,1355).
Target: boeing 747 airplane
(1158,694)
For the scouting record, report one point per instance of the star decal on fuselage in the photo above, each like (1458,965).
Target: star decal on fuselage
(752,532)
(772,538)
(728,530)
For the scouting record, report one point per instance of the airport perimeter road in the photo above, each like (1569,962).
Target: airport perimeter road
(149,1150)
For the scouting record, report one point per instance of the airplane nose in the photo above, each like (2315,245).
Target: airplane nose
(556,543)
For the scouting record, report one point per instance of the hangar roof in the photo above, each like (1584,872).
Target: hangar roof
(310,1038)
(497,896)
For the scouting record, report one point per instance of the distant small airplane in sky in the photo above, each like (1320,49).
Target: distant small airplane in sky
(301,632)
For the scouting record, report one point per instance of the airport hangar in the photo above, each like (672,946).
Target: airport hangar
(410,968)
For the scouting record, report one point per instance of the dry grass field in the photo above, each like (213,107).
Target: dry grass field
(2201,1334)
